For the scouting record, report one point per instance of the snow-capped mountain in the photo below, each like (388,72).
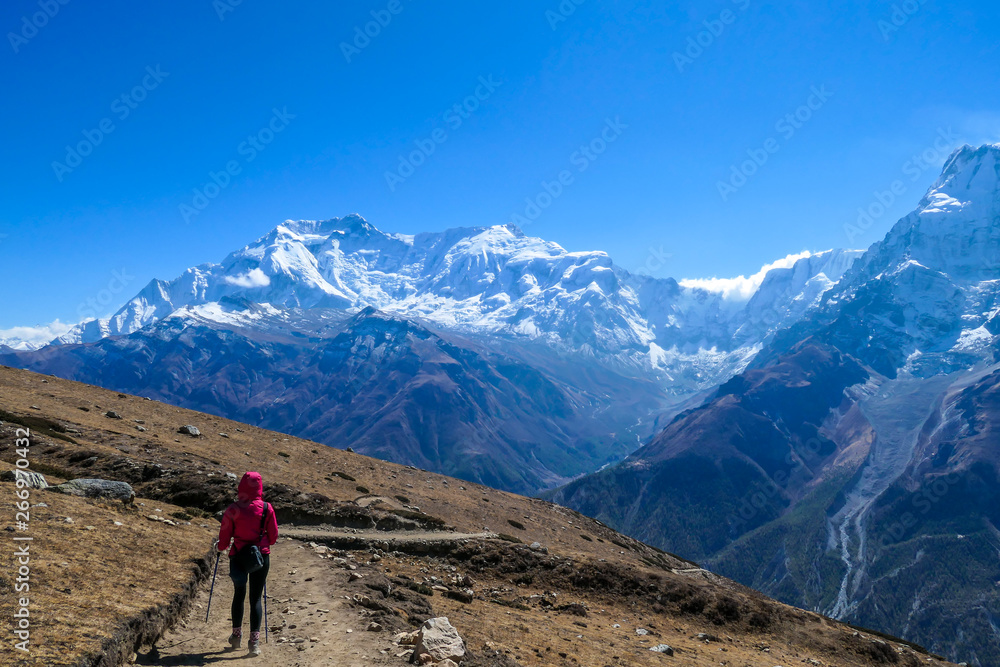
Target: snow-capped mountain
(852,468)
(562,361)
(498,282)
(925,299)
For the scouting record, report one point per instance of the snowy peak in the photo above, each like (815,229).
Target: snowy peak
(970,173)
(923,299)
(955,230)
(495,281)
(785,294)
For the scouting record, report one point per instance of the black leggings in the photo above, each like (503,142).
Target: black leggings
(257,580)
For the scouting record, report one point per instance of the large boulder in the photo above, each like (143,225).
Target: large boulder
(189,430)
(97,488)
(32,480)
(438,640)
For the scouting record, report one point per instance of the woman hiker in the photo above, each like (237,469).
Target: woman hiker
(248,522)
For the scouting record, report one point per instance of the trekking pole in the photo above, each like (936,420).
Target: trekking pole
(212,590)
(265,611)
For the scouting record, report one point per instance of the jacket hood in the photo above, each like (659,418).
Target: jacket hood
(251,487)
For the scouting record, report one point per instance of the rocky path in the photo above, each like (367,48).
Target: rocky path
(311,622)
(373,536)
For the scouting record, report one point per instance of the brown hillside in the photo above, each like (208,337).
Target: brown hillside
(102,592)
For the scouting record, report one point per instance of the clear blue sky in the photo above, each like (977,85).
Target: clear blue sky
(892,88)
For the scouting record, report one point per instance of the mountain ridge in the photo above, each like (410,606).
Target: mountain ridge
(859,503)
(497,282)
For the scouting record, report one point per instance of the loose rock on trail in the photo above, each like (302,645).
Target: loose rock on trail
(310,621)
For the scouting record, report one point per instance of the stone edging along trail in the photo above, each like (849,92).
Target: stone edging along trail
(395,540)
(147,627)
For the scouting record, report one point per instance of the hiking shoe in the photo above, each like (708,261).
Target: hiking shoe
(235,641)
(253,647)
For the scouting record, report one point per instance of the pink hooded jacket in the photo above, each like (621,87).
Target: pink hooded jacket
(241,520)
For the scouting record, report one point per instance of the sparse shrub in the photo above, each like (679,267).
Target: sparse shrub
(48,469)
(362,489)
(513,604)
(38,425)
(694,604)
(759,620)
(726,610)
(510,538)
(403,499)
(879,652)
(343,475)
(586,537)
(78,457)
(574,608)
(284,454)
(182,515)
(419,588)
(516,524)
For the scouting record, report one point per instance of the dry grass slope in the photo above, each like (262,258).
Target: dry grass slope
(103,577)
(579,602)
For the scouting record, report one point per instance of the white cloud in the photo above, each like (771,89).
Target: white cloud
(33,337)
(252,278)
(742,287)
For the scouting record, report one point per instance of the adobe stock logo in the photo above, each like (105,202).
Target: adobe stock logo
(901,14)
(882,200)
(363,36)
(704,39)
(582,158)
(655,260)
(456,114)
(787,126)
(562,12)
(122,106)
(223,7)
(37,21)
(93,307)
(248,149)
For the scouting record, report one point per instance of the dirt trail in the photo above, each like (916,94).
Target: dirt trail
(306,602)
(409,536)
